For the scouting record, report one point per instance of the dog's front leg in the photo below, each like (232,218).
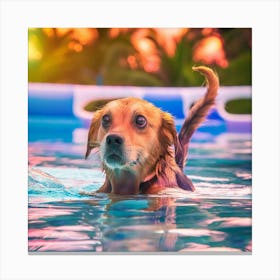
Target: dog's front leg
(106,187)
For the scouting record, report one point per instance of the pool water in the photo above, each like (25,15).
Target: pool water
(217,217)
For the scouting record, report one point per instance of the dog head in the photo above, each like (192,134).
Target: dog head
(132,135)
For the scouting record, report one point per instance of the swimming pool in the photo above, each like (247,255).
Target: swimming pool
(215,218)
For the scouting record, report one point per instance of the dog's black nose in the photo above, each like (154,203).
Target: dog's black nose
(114,139)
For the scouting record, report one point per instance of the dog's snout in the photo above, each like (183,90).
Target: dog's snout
(114,150)
(114,139)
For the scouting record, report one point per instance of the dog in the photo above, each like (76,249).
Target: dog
(140,150)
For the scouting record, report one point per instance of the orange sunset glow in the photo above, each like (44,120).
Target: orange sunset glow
(210,51)
(150,56)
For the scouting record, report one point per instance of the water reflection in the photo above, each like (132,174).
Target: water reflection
(140,224)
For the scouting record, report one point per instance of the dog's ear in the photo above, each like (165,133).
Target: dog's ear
(168,137)
(183,181)
(167,133)
(93,131)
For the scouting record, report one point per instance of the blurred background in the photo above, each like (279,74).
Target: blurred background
(138,56)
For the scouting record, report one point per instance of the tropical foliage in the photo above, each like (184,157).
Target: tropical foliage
(139,57)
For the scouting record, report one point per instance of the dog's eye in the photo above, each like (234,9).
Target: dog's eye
(140,121)
(106,121)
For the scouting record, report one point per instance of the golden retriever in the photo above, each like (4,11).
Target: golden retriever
(139,147)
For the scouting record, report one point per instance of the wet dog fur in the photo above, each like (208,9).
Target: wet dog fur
(139,147)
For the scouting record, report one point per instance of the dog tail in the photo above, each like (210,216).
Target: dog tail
(196,114)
